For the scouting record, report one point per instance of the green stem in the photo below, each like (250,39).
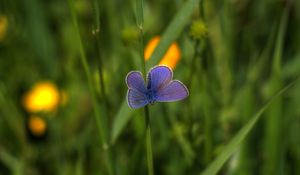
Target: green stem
(96,33)
(274,148)
(207,120)
(101,126)
(13,163)
(208,145)
(191,77)
(149,143)
(87,72)
(142,52)
(201,8)
(140,24)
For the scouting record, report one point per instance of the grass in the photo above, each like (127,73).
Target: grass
(241,116)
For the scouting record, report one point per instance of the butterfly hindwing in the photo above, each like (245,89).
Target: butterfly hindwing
(136,99)
(158,77)
(174,91)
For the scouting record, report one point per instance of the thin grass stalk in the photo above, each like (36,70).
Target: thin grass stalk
(191,77)
(79,164)
(274,149)
(201,8)
(149,143)
(193,63)
(208,143)
(8,109)
(140,24)
(100,125)
(13,163)
(96,33)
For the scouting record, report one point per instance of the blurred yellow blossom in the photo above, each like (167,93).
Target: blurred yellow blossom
(37,125)
(171,57)
(44,96)
(3,26)
(198,30)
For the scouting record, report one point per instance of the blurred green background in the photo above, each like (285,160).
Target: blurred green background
(62,86)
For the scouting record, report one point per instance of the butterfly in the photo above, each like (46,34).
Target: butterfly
(160,87)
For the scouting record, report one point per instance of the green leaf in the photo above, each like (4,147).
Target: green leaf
(233,145)
(280,41)
(14,164)
(273,125)
(172,32)
(120,121)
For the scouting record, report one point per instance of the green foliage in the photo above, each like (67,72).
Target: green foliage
(241,118)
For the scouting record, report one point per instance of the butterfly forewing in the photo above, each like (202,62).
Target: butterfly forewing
(135,81)
(159,77)
(174,91)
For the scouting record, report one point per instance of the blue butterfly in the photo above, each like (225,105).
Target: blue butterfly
(160,87)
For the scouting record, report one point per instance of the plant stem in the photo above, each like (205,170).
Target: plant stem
(140,24)
(87,71)
(208,143)
(274,148)
(148,143)
(201,9)
(101,126)
(143,65)
(96,33)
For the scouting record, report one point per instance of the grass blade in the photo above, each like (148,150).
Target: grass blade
(232,146)
(100,120)
(120,121)
(172,32)
(273,147)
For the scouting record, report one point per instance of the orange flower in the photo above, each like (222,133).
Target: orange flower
(171,57)
(37,125)
(44,96)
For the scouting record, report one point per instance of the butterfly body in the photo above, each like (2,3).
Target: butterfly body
(160,87)
(151,96)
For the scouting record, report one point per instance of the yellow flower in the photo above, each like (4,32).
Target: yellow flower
(3,26)
(198,30)
(37,125)
(44,96)
(171,57)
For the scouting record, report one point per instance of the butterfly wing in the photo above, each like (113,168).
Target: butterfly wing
(134,80)
(136,99)
(174,91)
(159,77)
